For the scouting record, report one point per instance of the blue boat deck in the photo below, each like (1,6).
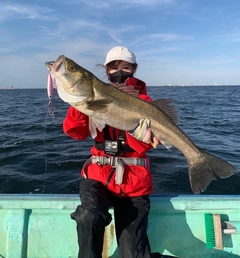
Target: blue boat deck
(39,226)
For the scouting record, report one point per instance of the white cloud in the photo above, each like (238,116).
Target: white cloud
(121,4)
(169,36)
(23,11)
(234,37)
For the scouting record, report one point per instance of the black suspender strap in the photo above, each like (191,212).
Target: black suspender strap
(110,176)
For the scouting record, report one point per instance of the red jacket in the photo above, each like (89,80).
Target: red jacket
(137,180)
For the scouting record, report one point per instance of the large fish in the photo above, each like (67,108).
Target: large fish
(106,104)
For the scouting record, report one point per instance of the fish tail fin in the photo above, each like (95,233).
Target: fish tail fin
(205,169)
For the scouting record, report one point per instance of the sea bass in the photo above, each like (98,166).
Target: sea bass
(106,104)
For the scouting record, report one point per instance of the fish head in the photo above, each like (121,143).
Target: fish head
(73,82)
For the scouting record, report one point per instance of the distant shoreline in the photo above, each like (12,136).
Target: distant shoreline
(170,85)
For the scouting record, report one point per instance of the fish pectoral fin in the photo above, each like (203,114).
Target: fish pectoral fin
(168,108)
(98,105)
(94,125)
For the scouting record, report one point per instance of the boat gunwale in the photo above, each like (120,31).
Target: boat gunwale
(164,202)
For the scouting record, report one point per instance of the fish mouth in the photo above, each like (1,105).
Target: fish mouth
(55,66)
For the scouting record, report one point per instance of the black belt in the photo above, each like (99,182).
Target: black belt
(124,147)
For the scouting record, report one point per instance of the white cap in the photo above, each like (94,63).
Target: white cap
(120,53)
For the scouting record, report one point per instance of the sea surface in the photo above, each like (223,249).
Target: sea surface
(36,156)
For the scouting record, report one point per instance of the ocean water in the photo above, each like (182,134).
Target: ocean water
(36,156)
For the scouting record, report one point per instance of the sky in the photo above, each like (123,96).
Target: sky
(176,42)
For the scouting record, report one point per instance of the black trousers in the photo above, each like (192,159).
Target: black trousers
(92,216)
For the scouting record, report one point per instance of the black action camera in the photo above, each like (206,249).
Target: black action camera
(111,147)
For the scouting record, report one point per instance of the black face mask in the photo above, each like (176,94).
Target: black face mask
(119,76)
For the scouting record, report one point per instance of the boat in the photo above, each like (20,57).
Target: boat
(39,226)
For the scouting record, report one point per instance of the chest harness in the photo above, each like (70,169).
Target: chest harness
(114,149)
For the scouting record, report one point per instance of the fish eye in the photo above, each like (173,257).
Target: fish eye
(71,68)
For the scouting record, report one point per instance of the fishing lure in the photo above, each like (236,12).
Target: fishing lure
(50,87)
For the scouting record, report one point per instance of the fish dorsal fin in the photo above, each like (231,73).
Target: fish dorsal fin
(168,108)
(128,89)
(98,105)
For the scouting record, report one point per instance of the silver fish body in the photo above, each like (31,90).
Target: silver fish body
(106,104)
